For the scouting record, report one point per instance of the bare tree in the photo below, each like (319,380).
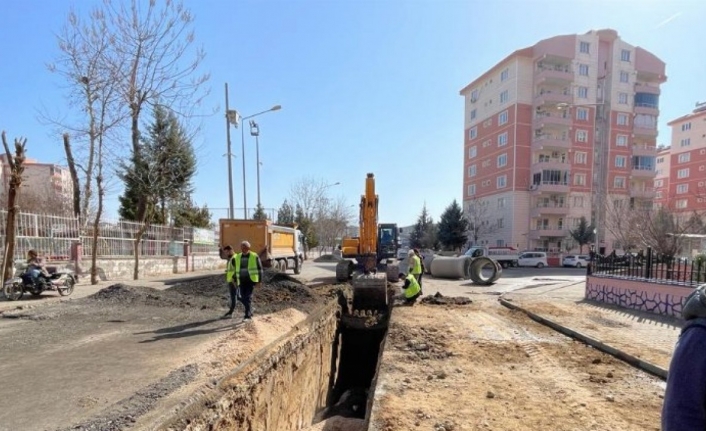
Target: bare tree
(620,221)
(663,230)
(309,194)
(481,222)
(16,163)
(331,221)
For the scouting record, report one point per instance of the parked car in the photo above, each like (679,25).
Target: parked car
(576,260)
(533,258)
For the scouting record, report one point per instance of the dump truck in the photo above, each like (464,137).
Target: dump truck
(279,247)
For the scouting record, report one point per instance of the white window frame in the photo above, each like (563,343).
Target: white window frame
(620,161)
(473,152)
(473,114)
(473,133)
(502,139)
(624,77)
(683,173)
(581,136)
(685,142)
(471,190)
(623,98)
(622,119)
(583,69)
(625,55)
(502,118)
(584,47)
(504,96)
(504,75)
(580,179)
(582,92)
(500,224)
(619,182)
(501,160)
(682,188)
(472,170)
(581,158)
(501,182)
(501,202)
(621,140)
(582,114)
(684,157)
(682,203)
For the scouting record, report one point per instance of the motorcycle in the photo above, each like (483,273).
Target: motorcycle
(62,281)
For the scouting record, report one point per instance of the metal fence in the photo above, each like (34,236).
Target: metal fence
(55,236)
(650,267)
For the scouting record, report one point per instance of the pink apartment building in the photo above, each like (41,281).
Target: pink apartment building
(557,131)
(39,180)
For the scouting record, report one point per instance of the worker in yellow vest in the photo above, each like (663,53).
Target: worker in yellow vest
(248,275)
(410,289)
(230,279)
(415,266)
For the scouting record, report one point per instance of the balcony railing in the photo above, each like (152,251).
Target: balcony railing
(546,141)
(551,97)
(547,208)
(551,230)
(643,192)
(646,88)
(644,150)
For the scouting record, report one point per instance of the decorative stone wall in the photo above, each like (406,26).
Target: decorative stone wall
(663,299)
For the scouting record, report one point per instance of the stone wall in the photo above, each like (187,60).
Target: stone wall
(663,299)
(117,268)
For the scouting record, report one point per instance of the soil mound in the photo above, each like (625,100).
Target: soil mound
(327,258)
(439,299)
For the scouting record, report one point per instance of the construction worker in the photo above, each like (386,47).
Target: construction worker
(230,281)
(422,269)
(415,266)
(248,273)
(410,290)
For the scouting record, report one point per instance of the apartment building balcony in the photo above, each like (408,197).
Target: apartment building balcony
(548,231)
(643,172)
(552,208)
(553,74)
(549,187)
(647,109)
(548,141)
(644,150)
(644,130)
(552,98)
(643,192)
(551,163)
(542,120)
(647,88)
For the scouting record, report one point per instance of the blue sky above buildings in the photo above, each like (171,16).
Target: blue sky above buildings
(365,86)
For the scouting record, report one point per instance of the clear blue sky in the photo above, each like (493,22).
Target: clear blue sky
(366,86)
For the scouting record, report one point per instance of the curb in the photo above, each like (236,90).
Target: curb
(618,354)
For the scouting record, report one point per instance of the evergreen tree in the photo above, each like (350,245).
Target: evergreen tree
(191,215)
(260,213)
(453,227)
(306,226)
(423,235)
(583,234)
(285,214)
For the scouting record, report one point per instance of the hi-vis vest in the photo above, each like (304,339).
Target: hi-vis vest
(413,288)
(252,267)
(416,265)
(230,269)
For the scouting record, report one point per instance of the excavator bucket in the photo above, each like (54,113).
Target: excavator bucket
(369,292)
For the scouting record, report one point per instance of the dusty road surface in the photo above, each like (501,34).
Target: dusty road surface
(483,367)
(105,361)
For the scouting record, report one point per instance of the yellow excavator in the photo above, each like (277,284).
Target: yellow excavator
(363,256)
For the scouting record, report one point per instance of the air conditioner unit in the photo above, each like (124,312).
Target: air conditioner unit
(533,187)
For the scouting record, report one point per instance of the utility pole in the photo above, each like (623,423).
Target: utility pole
(229,156)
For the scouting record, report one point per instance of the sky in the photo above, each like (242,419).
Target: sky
(365,86)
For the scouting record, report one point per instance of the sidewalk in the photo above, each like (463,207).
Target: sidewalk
(647,336)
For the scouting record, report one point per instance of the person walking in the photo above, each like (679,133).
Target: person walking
(415,266)
(684,407)
(230,280)
(248,275)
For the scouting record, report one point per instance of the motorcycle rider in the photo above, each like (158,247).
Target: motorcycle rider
(35,266)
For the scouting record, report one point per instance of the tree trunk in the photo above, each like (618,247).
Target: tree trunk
(16,169)
(74,176)
(138,241)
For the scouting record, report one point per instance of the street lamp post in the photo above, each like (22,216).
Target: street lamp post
(239,119)
(229,155)
(255,131)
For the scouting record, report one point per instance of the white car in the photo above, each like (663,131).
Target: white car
(576,260)
(533,258)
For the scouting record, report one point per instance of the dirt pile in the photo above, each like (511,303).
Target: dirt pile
(420,342)
(439,299)
(327,258)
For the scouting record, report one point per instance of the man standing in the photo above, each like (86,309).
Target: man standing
(232,287)
(415,267)
(248,273)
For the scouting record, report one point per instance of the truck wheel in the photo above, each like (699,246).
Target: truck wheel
(504,264)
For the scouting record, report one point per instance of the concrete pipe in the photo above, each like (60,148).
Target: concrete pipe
(485,271)
(428,259)
(451,267)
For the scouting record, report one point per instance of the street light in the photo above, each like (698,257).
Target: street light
(236,120)
(255,131)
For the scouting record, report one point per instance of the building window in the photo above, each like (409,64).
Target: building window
(583,69)
(504,97)
(501,182)
(584,47)
(620,161)
(580,179)
(624,77)
(471,190)
(501,202)
(681,203)
(582,92)
(578,202)
(582,114)
(504,75)
(659,183)
(502,118)
(581,136)
(473,132)
(502,139)
(685,127)
(683,173)
(684,157)
(473,115)
(685,142)
(658,195)
(502,160)
(682,188)
(580,158)
(501,223)
(623,98)
(622,119)
(472,171)
(472,152)
(619,182)
(625,55)
(621,140)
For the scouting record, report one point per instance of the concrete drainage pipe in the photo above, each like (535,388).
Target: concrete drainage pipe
(485,271)
(451,267)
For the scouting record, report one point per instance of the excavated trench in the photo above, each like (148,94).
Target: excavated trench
(325,367)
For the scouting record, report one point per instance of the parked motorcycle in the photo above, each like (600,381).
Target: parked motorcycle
(62,281)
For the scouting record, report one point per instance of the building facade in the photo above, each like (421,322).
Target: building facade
(46,188)
(558,131)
